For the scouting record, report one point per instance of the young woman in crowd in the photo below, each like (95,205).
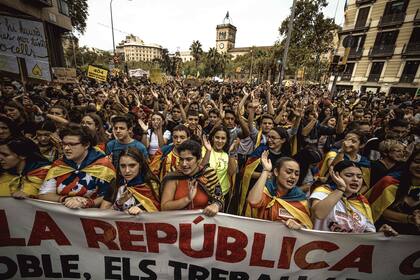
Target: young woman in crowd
(218,156)
(395,199)
(278,198)
(94,124)
(23,168)
(138,188)
(278,146)
(157,135)
(8,129)
(338,205)
(192,186)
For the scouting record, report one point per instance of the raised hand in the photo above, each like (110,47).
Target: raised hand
(206,143)
(266,162)
(143,126)
(341,184)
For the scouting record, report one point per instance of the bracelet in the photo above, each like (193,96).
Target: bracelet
(266,170)
(89,203)
(340,190)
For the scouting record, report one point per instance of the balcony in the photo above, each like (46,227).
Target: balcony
(411,49)
(391,20)
(417,17)
(374,77)
(355,53)
(385,51)
(407,78)
(346,76)
(362,2)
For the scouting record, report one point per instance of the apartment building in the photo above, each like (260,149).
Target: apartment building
(380,46)
(135,49)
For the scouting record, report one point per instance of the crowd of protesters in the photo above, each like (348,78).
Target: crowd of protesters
(299,155)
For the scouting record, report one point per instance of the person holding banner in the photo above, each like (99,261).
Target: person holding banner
(139,187)
(395,199)
(23,168)
(192,186)
(82,177)
(339,207)
(278,198)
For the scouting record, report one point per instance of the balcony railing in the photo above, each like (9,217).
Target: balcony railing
(411,49)
(391,20)
(382,51)
(361,2)
(374,77)
(407,78)
(355,53)
(346,76)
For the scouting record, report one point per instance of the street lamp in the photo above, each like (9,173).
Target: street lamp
(112,28)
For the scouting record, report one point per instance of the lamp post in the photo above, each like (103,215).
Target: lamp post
(112,28)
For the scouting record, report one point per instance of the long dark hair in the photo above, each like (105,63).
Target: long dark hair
(406,176)
(100,135)
(213,132)
(144,169)
(25,147)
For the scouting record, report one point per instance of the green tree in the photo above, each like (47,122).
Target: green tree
(312,36)
(196,51)
(78,12)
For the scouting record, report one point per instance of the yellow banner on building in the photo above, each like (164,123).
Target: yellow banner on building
(97,73)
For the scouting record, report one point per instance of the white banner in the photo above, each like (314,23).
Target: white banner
(43,240)
(23,38)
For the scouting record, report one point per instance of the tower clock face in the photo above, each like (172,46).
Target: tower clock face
(221,45)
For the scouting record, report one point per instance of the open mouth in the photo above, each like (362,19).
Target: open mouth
(354,185)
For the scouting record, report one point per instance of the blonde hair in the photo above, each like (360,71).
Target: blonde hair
(387,145)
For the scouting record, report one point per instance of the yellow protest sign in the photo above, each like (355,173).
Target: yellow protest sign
(97,73)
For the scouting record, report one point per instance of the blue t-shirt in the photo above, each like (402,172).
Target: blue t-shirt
(115,148)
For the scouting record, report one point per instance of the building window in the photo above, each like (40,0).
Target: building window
(384,44)
(346,76)
(394,13)
(362,17)
(63,8)
(409,72)
(375,71)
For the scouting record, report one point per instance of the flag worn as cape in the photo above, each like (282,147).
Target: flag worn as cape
(382,195)
(358,201)
(29,181)
(294,202)
(95,164)
(250,166)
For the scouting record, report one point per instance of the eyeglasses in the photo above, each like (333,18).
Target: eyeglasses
(273,137)
(70,145)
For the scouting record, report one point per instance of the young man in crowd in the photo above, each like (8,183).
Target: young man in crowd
(122,129)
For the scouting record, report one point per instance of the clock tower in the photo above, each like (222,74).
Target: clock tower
(225,35)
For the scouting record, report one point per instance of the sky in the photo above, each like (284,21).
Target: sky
(174,24)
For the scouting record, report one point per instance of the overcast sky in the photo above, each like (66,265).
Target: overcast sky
(174,24)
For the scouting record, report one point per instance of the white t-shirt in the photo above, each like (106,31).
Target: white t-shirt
(154,142)
(340,219)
